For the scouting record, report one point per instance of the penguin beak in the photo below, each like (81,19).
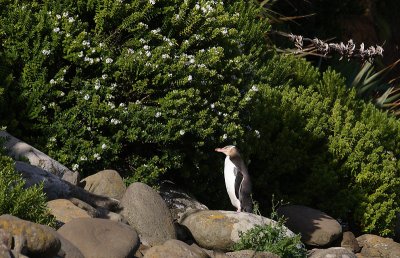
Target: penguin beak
(221,150)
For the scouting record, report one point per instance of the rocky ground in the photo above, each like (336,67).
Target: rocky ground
(99,217)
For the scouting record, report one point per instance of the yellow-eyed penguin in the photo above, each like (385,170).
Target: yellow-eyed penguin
(237,179)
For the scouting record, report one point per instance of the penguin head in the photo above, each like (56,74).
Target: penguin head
(229,150)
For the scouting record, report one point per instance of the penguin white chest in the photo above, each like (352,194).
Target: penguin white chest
(230,177)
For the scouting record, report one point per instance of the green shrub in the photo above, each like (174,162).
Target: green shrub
(272,238)
(150,82)
(336,154)
(24,203)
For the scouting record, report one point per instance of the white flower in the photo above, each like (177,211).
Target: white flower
(257,133)
(89,128)
(111,105)
(104,76)
(224,136)
(46,52)
(190,78)
(146,47)
(153,2)
(58,16)
(71,19)
(103,146)
(109,60)
(86,97)
(158,114)
(85,43)
(182,132)
(113,85)
(169,74)
(148,53)
(96,156)
(57,29)
(122,105)
(143,25)
(80,54)
(52,81)
(156,31)
(224,31)
(83,158)
(165,56)
(52,139)
(75,167)
(65,14)
(177,16)
(115,121)
(212,105)
(62,94)
(254,88)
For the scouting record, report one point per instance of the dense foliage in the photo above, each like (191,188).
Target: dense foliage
(24,203)
(342,158)
(150,88)
(273,238)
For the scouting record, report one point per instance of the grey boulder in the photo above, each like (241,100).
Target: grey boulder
(378,247)
(220,229)
(333,252)
(252,254)
(178,201)
(146,211)
(35,239)
(316,227)
(175,248)
(106,183)
(101,238)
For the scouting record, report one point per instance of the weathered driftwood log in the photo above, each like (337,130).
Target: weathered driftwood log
(19,150)
(57,188)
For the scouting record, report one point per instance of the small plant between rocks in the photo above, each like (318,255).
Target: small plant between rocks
(15,199)
(272,237)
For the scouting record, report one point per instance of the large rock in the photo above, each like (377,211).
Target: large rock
(38,241)
(11,246)
(378,247)
(316,227)
(333,252)
(56,188)
(68,250)
(178,201)
(107,183)
(65,211)
(147,212)
(220,229)
(175,248)
(101,238)
(252,254)
(19,149)
(350,242)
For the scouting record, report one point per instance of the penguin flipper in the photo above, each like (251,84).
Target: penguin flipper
(238,182)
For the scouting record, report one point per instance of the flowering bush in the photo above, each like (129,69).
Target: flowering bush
(140,86)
